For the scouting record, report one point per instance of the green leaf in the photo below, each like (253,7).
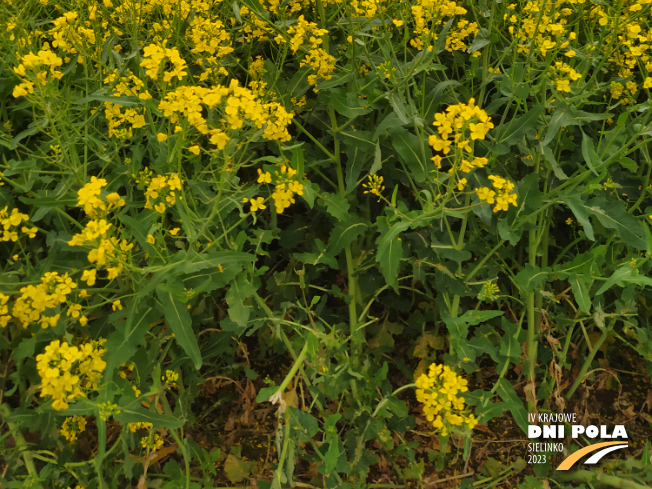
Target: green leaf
(310,191)
(306,423)
(237,469)
(550,158)
(201,261)
(357,139)
(318,258)
(355,160)
(409,146)
(516,407)
(336,206)
(628,163)
(613,215)
(581,294)
(378,160)
(591,158)
(495,409)
(178,319)
(622,273)
(135,413)
(391,120)
(265,393)
(510,347)
(568,115)
(103,95)
(348,104)
(123,343)
(345,232)
(390,252)
(256,8)
(531,278)
(332,455)
(240,290)
(507,135)
(481,40)
(459,327)
(399,107)
(578,208)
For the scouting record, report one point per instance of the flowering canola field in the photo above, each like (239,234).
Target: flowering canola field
(397,226)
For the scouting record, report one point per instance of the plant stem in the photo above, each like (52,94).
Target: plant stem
(21,444)
(586,365)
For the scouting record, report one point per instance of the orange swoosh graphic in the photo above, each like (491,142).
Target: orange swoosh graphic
(570,460)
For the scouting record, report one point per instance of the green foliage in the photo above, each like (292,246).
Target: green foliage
(362,189)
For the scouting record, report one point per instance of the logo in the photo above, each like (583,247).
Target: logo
(555,429)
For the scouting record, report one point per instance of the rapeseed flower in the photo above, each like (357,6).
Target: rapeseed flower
(438,390)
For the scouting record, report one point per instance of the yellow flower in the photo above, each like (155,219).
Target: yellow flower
(161,137)
(461,184)
(116,305)
(257,204)
(150,239)
(84,293)
(89,276)
(486,194)
(375,185)
(175,231)
(264,177)
(83,320)
(194,149)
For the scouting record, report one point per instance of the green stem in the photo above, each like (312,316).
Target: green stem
(531,325)
(585,366)
(350,269)
(21,444)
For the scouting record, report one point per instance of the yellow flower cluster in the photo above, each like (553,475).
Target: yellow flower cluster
(238,104)
(502,194)
(317,58)
(107,409)
(285,189)
(133,427)
(170,377)
(465,123)
(562,75)
(455,39)
(542,23)
(151,443)
(459,119)
(254,28)
(163,190)
(71,426)
(36,66)
(438,391)
(374,186)
(67,371)
(489,292)
(122,120)
(34,300)
(155,56)
(209,37)
(69,34)
(10,223)
(428,15)
(106,250)
(88,197)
